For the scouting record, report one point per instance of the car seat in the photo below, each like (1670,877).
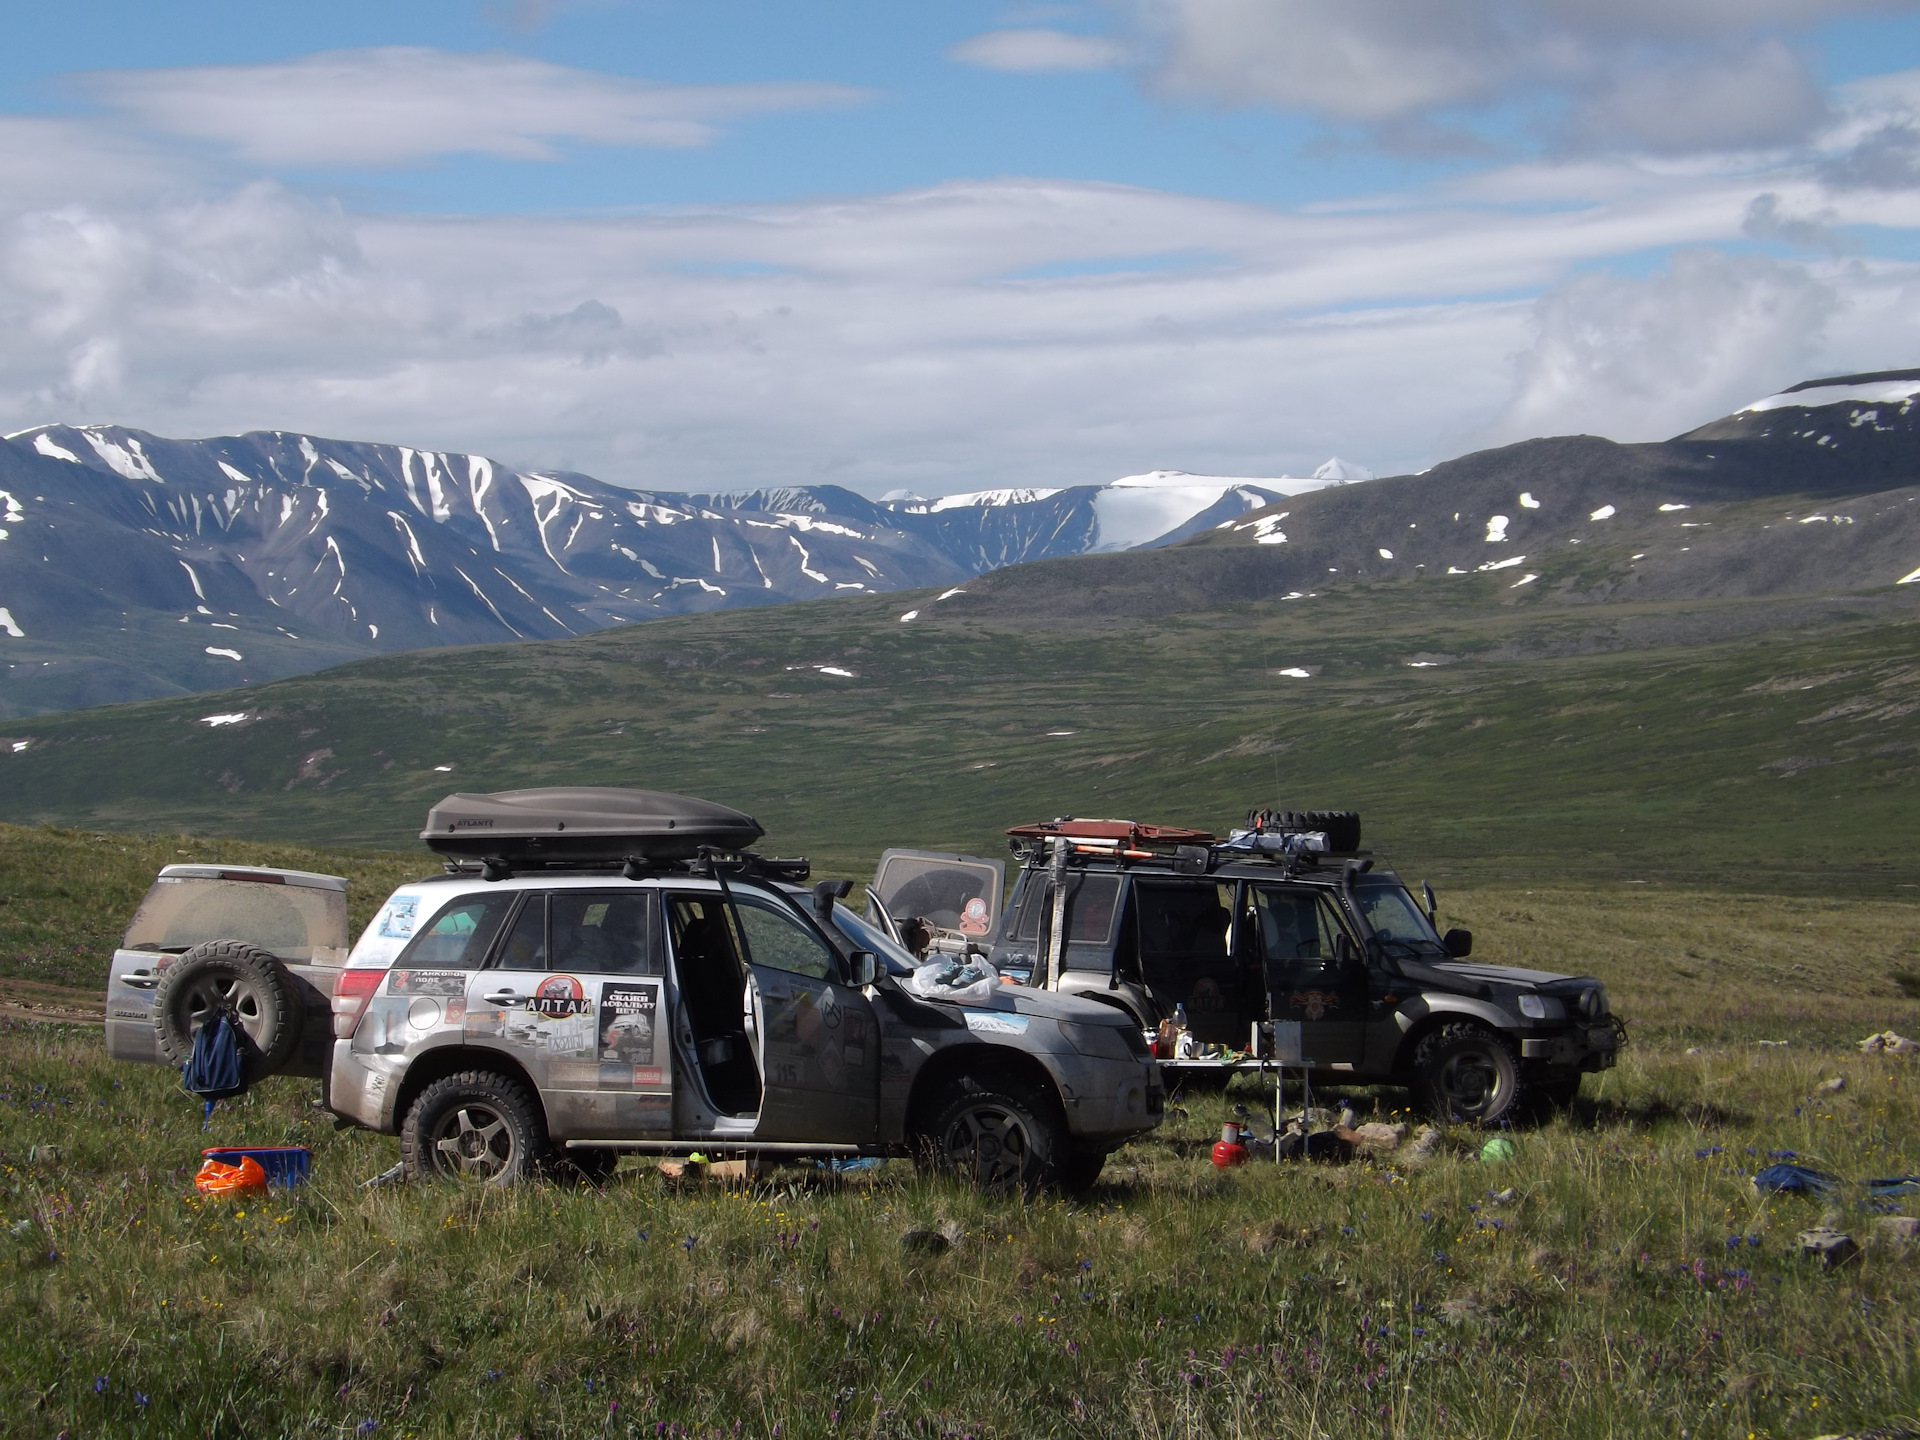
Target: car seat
(712,987)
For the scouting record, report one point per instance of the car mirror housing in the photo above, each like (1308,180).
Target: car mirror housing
(862,966)
(1458,943)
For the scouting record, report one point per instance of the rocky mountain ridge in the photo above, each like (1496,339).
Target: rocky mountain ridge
(134,566)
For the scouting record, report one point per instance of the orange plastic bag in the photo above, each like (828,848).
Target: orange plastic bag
(217,1179)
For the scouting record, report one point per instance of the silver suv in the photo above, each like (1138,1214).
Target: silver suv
(521,1011)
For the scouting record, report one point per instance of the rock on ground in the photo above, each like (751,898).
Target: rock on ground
(1830,1247)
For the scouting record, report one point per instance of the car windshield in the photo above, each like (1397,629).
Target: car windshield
(871,937)
(1396,921)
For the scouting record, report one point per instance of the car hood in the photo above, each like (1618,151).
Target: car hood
(1043,1004)
(1502,974)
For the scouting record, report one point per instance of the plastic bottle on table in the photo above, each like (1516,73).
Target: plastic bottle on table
(1182,1037)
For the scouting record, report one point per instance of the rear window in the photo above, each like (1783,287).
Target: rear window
(459,936)
(295,922)
(1090,907)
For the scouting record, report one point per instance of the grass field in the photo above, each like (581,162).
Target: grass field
(1633,1285)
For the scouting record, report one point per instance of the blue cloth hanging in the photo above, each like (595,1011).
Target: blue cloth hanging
(214,1071)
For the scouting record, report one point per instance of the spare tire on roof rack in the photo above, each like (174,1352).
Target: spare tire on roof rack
(583,824)
(1341,827)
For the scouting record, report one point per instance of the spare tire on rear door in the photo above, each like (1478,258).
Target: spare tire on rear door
(243,979)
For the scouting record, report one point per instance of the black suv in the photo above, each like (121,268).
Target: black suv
(1288,939)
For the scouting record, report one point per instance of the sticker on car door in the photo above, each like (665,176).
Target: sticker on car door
(629,1023)
(557,1019)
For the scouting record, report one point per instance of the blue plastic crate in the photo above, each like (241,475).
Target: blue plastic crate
(285,1164)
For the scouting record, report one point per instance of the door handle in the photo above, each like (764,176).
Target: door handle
(140,979)
(504,997)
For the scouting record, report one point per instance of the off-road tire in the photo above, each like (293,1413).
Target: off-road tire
(999,1133)
(249,981)
(477,1128)
(1466,1072)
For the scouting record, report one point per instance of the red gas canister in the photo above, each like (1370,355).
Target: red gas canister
(1228,1149)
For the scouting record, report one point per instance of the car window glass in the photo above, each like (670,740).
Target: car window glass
(781,943)
(948,894)
(1091,901)
(1184,919)
(1090,906)
(457,938)
(608,934)
(1297,928)
(293,921)
(1033,904)
(1392,915)
(1330,930)
(867,936)
(526,943)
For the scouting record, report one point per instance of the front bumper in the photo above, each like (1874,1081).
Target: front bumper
(1106,1101)
(1583,1048)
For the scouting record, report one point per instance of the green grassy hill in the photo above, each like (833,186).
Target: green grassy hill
(1485,732)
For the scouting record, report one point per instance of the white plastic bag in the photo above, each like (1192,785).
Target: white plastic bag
(974,983)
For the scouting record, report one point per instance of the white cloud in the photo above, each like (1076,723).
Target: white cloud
(1682,76)
(1747,95)
(1351,60)
(1644,359)
(401,105)
(926,339)
(1038,50)
(1767,219)
(47,162)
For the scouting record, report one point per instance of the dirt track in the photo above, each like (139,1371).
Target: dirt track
(32,1000)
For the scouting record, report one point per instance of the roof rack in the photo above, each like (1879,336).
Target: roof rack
(1124,841)
(792,869)
(1292,839)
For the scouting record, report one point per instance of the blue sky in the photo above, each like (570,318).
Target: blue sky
(711,245)
(924,118)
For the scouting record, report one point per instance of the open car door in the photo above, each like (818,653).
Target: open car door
(958,896)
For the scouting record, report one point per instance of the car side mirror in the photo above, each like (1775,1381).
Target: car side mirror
(862,967)
(1458,943)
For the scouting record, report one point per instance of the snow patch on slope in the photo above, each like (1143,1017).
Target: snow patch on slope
(1876,392)
(129,462)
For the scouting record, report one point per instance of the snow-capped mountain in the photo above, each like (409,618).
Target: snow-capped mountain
(1804,491)
(991,528)
(133,565)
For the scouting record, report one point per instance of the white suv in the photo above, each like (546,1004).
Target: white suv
(523,1010)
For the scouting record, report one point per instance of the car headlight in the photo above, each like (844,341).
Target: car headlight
(1533,1007)
(1108,1042)
(1593,1003)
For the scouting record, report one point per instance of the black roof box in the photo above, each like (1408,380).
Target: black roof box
(584,822)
